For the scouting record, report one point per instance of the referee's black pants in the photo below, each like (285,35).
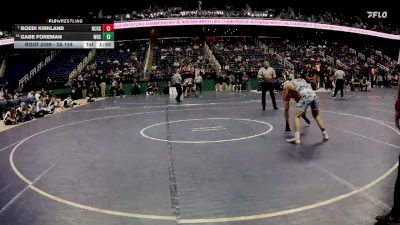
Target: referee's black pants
(179,91)
(268,86)
(339,86)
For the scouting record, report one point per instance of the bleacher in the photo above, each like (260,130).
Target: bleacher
(186,52)
(132,54)
(18,66)
(58,69)
(238,54)
(105,59)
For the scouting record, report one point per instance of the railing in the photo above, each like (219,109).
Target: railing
(82,65)
(149,56)
(37,69)
(3,67)
(209,54)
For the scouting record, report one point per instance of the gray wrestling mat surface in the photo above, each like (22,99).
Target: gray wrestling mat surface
(217,159)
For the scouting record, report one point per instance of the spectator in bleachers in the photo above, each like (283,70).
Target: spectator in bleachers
(31,94)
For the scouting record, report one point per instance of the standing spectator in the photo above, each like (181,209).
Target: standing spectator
(246,81)
(113,88)
(84,88)
(198,80)
(103,88)
(135,88)
(49,83)
(177,80)
(232,82)
(339,81)
(267,76)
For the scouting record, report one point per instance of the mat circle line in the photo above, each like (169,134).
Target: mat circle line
(205,142)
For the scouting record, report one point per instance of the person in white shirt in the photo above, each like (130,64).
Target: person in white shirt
(103,89)
(339,81)
(267,76)
(31,94)
(176,81)
(37,96)
(198,80)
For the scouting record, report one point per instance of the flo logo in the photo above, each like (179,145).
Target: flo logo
(377,14)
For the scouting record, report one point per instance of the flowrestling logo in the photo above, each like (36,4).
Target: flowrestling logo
(377,14)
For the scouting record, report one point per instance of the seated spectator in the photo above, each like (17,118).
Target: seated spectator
(355,83)
(24,112)
(41,109)
(149,89)
(37,95)
(31,94)
(68,102)
(17,95)
(120,91)
(365,85)
(51,105)
(156,90)
(329,83)
(10,118)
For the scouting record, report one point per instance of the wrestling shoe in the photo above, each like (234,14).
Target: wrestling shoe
(325,135)
(293,141)
(388,219)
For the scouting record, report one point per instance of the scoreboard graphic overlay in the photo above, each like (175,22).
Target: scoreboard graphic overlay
(64,34)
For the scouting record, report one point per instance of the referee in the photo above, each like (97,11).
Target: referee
(177,80)
(267,76)
(339,81)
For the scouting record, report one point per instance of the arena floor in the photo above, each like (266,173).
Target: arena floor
(217,159)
